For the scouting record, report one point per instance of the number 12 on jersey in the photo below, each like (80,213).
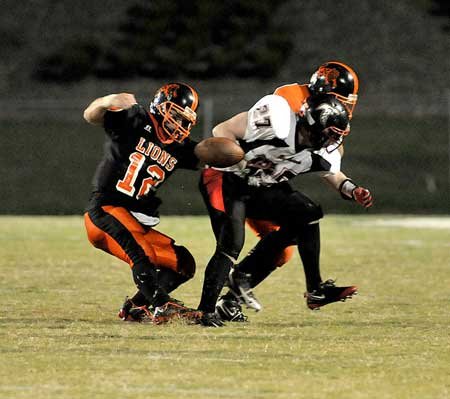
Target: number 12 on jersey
(127,184)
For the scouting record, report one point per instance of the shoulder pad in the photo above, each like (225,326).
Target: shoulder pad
(295,94)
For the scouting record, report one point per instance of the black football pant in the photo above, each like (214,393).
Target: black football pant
(230,200)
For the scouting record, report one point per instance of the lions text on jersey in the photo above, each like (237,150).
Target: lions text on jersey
(136,163)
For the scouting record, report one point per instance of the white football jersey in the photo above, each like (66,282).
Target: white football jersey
(270,147)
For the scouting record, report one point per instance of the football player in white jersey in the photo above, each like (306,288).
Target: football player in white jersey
(279,145)
(332,77)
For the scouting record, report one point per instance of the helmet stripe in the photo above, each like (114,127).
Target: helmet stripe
(352,72)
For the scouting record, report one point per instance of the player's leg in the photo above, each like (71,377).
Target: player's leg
(262,228)
(227,250)
(301,219)
(229,305)
(116,231)
(264,204)
(260,262)
(176,265)
(272,251)
(220,193)
(298,217)
(113,230)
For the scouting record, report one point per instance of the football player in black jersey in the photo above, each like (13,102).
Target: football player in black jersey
(143,148)
(279,143)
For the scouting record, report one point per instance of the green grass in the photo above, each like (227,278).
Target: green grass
(60,338)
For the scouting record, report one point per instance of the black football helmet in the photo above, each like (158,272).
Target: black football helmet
(338,79)
(327,121)
(175,106)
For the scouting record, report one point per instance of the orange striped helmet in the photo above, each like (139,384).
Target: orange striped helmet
(336,78)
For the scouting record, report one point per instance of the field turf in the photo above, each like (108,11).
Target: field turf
(60,338)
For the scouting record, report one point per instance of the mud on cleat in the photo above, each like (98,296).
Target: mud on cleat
(174,310)
(327,293)
(228,308)
(240,287)
(130,312)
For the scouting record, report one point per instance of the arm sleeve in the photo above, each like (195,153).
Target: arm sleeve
(118,123)
(189,160)
(332,160)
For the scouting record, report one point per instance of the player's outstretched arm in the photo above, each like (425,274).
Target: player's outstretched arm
(233,128)
(96,110)
(349,190)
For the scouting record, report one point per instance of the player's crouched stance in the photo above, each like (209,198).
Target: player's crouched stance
(143,149)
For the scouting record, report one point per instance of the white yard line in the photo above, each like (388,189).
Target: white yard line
(412,222)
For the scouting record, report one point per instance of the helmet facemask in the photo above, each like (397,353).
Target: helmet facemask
(349,102)
(176,122)
(327,123)
(333,137)
(174,106)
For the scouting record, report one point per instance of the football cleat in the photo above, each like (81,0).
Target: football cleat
(229,309)
(328,293)
(240,287)
(174,310)
(210,320)
(130,312)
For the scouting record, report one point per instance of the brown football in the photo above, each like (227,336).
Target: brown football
(219,151)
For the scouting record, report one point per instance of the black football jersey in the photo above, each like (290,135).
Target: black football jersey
(135,163)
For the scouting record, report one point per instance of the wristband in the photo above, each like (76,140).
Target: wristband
(346,189)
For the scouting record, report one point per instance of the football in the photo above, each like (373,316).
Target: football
(219,151)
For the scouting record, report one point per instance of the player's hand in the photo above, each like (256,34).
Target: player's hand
(121,101)
(363,197)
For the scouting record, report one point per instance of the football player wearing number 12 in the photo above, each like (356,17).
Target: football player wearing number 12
(143,148)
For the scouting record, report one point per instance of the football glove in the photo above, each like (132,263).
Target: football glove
(363,197)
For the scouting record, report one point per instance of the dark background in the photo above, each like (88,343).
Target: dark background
(57,56)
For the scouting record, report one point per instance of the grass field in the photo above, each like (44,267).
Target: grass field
(60,338)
